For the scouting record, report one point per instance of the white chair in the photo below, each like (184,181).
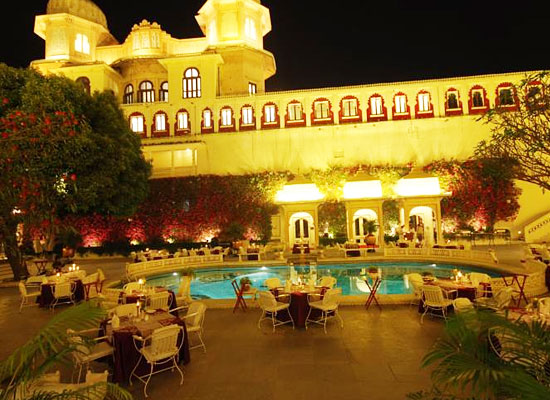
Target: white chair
(328,307)
(183,297)
(160,348)
(433,299)
(110,298)
(63,292)
(194,321)
(126,310)
(273,283)
(481,282)
(131,287)
(416,282)
(270,308)
(544,306)
(327,281)
(500,300)
(27,298)
(159,301)
(88,349)
(462,304)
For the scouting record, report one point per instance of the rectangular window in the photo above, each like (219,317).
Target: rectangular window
(252,88)
(160,122)
(506,97)
(136,123)
(250,28)
(207,118)
(247,115)
(295,112)
(424,102)
(155,41)
(81,44)
(183,120)
(227,115)
(321,110)
(376,105)
(269,112)
(452,100)
(400,104)
(349,107)
(477,98)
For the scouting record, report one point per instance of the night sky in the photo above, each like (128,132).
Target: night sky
(322,43)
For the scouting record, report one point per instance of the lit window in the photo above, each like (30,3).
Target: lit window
(250,28)
(321,109)
(183,120)
(376,105)
(155,40)
(506,96)
(400,104)
(478,98)
(136,123)
(128,94)
(247,115)
(212,32)
(295,112)
(424,102)
(160,122)
(252,88)
(227,117)
(163,92)
(81,43)
(137,43)
(349,107)
(207,118)
(146,92)
(452,100)
(269,113)
(145,42)
(191,83)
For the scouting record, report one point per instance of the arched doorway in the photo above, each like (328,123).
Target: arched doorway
(422,221)
(302,229)
(360,220)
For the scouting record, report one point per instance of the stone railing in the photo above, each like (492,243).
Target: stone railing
(146,268)
(482,256)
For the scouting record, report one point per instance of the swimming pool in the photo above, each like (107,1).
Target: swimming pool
(215,283)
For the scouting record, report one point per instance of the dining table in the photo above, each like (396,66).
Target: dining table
(299,303)
(452,289)
(126,355)
(46,297)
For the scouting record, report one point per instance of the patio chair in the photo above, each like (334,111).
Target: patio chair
(273,283)
(194,321)
(433,299)
(161,348)
(27,298)
(462,304)
(544,306)
(159,301)
(88,348)
(183,297)
(416,282)
(500,300)
(131,287)
(126,310)
(481,282)
(110,298)
(327,281)
(328,307)
(270,308)
(63,292)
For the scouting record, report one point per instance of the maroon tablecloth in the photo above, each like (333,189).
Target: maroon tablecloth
(299,308)
(46,297)
(126,355)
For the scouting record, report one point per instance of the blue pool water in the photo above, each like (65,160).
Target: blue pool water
(215,283)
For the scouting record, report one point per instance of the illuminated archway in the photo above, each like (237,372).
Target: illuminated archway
(422,221)
(360,218)
(302,228)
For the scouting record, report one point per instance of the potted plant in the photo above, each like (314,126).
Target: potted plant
(373,272)
(245,283)
(370,226)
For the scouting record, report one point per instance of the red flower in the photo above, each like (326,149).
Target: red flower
(5,100)
(73,177)
(5,135)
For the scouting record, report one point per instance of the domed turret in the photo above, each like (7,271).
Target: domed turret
(85,9)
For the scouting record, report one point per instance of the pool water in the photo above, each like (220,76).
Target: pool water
(215,283)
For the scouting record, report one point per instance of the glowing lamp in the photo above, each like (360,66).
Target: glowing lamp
(418,187)
(302,192)
(362,190)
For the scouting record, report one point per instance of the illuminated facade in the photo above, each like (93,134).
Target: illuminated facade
(200,107)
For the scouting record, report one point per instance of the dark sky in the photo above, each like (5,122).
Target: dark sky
(333,43)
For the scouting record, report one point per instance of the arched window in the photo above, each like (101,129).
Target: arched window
(227,119)
(207,123)
(477,100)
(137,124)
(401,109)
(321,112)
(163,92)
(248,119)
(376,110)
(128,94)
(191,83)
(270,116)
(424,108)
(506,96)
(85,82)
(146,92)
(349,110)
(183,126)
(295,114)
(453,104)
(160,127)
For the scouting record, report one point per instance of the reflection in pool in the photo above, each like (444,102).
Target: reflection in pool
(215,283)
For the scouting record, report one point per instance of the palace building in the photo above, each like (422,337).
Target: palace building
(200,107)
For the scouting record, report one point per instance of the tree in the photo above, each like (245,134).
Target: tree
(484,355)
(50,348)
(521,131)
(62,152)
